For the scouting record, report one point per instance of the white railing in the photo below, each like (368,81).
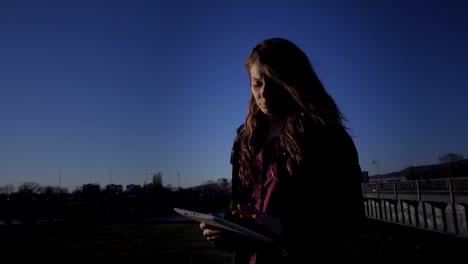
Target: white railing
(433,204)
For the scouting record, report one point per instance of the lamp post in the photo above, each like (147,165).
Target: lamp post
(59,178)
(110,183)
(178,183)
(146,184)
(59,182)
(376,164)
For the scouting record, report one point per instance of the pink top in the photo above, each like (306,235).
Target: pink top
(264,185)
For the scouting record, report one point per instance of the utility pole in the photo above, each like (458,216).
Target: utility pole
(110,183)
(59,182)
(146,185)
(178,183)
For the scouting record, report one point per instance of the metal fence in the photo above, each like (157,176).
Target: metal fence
(433,204)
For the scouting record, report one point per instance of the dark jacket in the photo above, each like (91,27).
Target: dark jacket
(321,207)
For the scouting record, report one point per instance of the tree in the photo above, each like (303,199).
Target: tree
(29,189)
(7,190)
(48,192)
(450,158)
(157,180)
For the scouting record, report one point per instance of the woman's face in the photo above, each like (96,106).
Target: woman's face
(269,95)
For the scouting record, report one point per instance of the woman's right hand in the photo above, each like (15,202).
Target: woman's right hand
(211,233)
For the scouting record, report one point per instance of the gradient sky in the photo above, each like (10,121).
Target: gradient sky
(140,87)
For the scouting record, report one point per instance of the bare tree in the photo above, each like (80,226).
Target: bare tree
(7,189)
(47,192)
(450,157)
(29,189)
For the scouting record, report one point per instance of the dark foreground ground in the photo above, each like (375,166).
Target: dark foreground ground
(181,242)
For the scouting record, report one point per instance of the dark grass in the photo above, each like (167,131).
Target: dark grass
(390,239)
(181,242)
(166,242)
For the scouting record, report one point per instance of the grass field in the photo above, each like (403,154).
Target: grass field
(171,242)
(181,242)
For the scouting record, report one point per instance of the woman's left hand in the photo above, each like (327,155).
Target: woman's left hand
(250,213)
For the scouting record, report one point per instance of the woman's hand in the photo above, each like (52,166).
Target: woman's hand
(250,213)
(212,233)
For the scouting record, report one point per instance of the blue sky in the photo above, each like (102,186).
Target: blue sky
(140,87)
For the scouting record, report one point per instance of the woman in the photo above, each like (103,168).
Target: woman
(295,169)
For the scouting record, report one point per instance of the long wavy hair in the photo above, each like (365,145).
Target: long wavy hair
(306,102)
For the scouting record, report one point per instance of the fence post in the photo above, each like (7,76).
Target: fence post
(418,190)
(454,208)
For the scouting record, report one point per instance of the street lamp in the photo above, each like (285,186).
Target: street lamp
(146,184)
(59,178)
(376,164)
(178,183)
(59,183)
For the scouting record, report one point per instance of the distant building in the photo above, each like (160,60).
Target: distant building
(364,176)
(133,188)
(209,182)
(223,183)
(91,188)
(91,191)
(114,188)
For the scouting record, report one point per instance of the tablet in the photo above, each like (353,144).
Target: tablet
(220,222)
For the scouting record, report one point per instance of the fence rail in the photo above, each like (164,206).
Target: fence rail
(433,204)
